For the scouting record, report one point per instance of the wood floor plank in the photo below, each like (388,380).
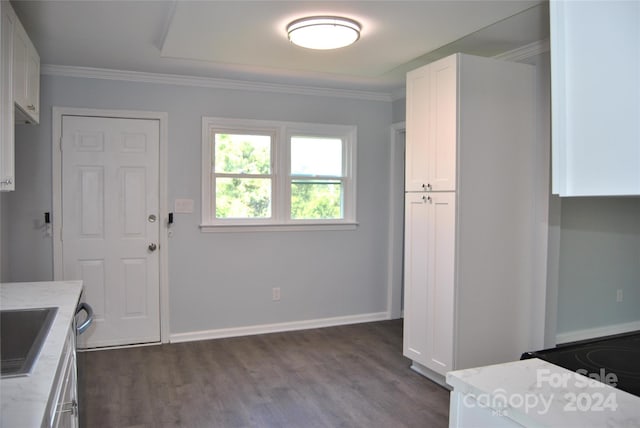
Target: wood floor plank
(345,376)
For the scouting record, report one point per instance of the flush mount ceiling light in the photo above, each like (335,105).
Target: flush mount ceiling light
(323,32)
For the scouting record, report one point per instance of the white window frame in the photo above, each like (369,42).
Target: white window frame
(280,173)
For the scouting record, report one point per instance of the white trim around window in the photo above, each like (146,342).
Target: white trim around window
(275,171)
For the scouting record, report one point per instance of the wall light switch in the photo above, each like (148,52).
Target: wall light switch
(183,206)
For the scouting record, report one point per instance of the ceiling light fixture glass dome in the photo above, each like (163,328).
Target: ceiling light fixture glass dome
(323,32)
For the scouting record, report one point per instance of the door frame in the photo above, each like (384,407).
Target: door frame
(56,184)
(395,257)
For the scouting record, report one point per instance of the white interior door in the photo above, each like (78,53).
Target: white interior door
(110,225)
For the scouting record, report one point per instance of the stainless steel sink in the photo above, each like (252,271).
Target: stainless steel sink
(22,334)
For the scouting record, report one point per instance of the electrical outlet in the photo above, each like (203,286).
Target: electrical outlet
(275,294)
(619,295)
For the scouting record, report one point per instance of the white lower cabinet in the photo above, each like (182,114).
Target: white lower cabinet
(63,407)
(429,279)
(465,411)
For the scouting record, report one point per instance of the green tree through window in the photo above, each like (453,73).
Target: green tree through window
(243,182)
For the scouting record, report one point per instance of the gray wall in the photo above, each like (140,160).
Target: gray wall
(599,254)
(221,280)
(399,110)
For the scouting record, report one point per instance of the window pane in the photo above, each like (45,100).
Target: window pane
(316,156)
(243,197)
(242,154)
(316,199)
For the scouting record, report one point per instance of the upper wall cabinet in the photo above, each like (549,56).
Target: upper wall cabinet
(19,88)
(595,69)
(7,25)
(26,77)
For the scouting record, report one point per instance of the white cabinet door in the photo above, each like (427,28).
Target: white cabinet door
(7,174)
(441,227)
(417,133)
(63,409)
(443,124)
(431,127)
(429,279)
(20,60)
(415,276)
(595,92)
(33,85)
(26,77)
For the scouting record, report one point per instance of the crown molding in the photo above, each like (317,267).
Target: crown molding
(525,52)
(209,82)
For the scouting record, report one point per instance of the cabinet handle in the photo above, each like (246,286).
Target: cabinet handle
(71,407)
(426,199)
(7,181)
(31,107)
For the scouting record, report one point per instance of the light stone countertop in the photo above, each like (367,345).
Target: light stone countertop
(24,399)
(540,394)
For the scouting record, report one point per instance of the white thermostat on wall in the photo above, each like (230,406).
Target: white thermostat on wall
(183,206)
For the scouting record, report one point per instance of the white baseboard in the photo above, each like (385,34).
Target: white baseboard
(590,333)
(275,328)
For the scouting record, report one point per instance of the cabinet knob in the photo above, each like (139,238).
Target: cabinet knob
(31,107)
(426,199)
(7,181)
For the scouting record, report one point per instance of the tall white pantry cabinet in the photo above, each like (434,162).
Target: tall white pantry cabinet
(468,213)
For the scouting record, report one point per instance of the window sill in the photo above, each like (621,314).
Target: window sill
(209,228)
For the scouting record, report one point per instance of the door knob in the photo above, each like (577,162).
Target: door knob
(152,247)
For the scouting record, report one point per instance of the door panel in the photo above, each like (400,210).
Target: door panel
(441,281)
(416,254)
(417,134)
(110,188)
(443,137)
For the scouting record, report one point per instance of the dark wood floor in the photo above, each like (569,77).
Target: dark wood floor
(347,376)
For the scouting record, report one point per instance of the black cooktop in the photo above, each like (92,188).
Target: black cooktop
(614,359)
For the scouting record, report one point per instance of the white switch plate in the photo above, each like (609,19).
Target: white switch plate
(183,206)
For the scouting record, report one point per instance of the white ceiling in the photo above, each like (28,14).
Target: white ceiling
(246,40)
